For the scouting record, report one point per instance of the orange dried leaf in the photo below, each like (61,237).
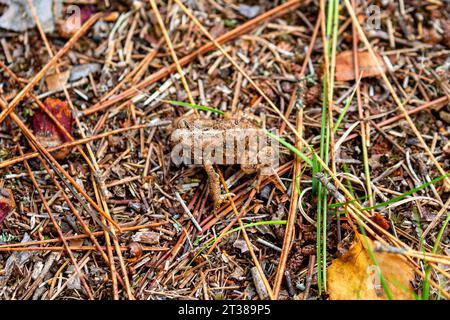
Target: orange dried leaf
(354,276)
(345,70)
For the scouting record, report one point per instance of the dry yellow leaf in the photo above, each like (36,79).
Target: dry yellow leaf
(345,69)
(354,276)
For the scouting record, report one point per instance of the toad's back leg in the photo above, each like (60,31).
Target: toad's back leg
(214,182)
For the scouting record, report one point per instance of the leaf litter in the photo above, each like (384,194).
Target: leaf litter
(121,86)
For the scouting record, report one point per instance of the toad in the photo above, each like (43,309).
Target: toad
(235,138)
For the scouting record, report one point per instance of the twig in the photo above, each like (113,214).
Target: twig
(188,212)
(79,248)
(311,263)
(289,231)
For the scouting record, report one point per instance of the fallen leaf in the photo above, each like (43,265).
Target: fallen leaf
(354,276)
(367,65)
(7,203)
(53,84)
(47,132)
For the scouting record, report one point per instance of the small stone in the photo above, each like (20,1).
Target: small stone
(249,11)
(18,16)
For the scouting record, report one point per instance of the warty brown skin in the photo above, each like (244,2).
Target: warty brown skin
(218,128)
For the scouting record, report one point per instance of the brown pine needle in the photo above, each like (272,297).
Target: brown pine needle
(249,25)
(58,229)
(392,91)
(246,238)
(293,209)
(81,236)
(172,51)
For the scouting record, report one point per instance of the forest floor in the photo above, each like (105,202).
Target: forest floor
(354,95)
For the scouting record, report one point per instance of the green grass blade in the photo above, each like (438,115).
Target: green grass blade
(400,197)
(290,147)
(388,202)
(426,283)
(315,169)
(345,109)
(194,106)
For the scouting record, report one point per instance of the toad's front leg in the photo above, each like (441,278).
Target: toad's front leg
(214,184)
(260,162)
